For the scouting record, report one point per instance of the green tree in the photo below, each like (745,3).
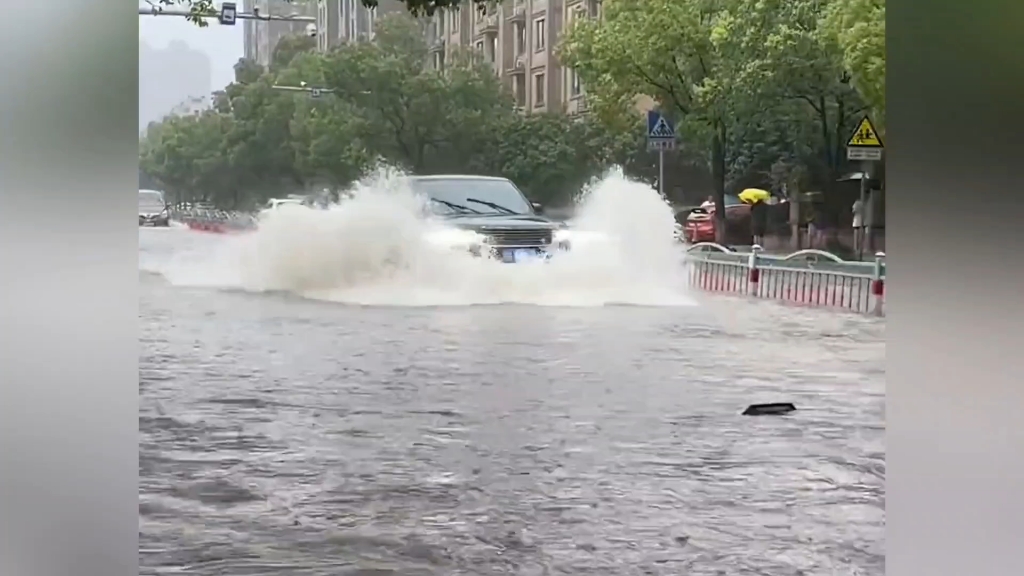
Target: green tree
(288,48)
(665,49)
(859,29)
(379,103)
(413,114)
(326,142)
(185,154)
(791,85)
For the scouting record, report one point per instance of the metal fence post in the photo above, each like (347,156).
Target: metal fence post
(878,286)
(754,273)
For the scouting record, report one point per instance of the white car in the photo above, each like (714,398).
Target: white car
(276,203)
(153,209)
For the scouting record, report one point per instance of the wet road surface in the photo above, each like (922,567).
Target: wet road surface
(286,436)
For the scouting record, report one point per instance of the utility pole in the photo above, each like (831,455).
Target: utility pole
(661,136)
(865,146)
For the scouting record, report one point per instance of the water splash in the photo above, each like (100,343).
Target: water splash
(370,249)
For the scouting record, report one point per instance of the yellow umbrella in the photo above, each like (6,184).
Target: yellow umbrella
(751,195)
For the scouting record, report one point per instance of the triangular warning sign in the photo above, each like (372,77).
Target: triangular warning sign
(865,136)
(662,129)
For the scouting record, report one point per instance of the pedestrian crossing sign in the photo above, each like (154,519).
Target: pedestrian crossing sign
(865,136)
(658,127)
(661,134)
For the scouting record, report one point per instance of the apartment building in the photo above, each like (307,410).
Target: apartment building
(518,38)
(192,106)
(261,37)
(343,21)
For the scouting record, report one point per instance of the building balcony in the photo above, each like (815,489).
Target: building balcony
(518,12)
(488,25)
(518,66)
(577,105)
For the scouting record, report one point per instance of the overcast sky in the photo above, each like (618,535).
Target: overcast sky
(223,44)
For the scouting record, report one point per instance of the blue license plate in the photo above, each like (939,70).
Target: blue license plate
(521,255)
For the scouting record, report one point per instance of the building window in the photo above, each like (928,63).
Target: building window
(519,89)
(456,17)
(493,56)
(520,41)
(575,14)
(539,89)
(479,46)
(539,38)
(440,24)
(353,22)
(438,60)
(575,87)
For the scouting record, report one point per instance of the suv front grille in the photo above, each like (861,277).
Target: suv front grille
(519,237)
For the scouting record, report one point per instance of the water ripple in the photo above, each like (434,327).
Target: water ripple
(284,437)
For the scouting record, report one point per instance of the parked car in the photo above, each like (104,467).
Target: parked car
(153,209)
(699,226)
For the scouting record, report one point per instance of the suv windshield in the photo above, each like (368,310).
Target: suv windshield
(148,199)
(472,196)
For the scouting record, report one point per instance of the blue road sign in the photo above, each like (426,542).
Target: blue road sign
(661,134)
(659,127)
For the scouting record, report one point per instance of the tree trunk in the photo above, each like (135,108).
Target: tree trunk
(718,181)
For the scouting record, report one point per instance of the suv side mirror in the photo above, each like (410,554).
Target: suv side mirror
(537,207)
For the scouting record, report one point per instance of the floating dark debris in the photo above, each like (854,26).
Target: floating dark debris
(771,409)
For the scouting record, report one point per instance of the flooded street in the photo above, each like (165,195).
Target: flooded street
(287,435)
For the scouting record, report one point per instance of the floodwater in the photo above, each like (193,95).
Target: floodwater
(298,429)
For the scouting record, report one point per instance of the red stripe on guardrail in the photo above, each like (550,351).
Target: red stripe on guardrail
(860,288)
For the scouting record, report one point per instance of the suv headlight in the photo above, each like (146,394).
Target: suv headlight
(457,239)
(562,239)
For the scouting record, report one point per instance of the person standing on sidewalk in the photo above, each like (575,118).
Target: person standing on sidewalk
(758,221)
(858,225)
(816,227)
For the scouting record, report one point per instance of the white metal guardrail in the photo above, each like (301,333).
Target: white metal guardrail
(808,277)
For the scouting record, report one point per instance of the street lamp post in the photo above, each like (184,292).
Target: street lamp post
(303,87)
(312,91)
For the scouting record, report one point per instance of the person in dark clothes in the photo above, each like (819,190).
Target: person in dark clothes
(818,225)
(758,221)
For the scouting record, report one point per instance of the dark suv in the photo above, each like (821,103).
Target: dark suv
(495,208)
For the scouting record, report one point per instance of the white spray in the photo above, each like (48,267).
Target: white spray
(370,249)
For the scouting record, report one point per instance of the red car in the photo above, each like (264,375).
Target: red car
(699,227)
(700,224)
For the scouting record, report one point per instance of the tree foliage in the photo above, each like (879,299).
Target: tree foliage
(379,103)
(671,50)
(764,91)
(859,28)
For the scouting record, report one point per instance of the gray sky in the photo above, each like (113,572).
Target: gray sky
(223,44)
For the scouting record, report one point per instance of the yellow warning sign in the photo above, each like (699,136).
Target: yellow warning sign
(865,136)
